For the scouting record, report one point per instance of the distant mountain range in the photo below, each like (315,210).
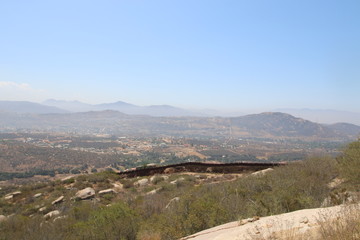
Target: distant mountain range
(153,110)
(263,125)
(28,107)
(60,106)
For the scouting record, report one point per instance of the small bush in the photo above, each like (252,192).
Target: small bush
(127,183)
(158,179)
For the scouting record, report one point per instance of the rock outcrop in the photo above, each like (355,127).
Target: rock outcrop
(3,218)
(105,191)
(12,195)
(118,186)
(85,193)
(58,200)
(37,195)
(52,214)
(262,172)
(152,192)
(141,182)
(303,223)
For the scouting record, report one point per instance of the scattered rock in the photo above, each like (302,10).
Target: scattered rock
(10,196)
(177,180)
(262,172)
(209,170)
(85,193)
(151,165)
(58,200)
(169,170)
(141,182)
(67,178)
(42,209)
(3,218)
(102,192)
(175,199)
(118,186)
(248,220)
(60,217)
(52,214)
(155,178)
(37,195)
(153,191)
(16,193)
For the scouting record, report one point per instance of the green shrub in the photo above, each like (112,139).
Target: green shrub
(117,221)
(127,183)
(349,164)
(157,180)
(69,181)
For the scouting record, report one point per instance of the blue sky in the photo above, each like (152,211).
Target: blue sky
(230,55)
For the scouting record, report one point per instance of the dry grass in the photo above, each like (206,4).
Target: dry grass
(343,226)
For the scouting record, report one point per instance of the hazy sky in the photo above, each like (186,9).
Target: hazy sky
(221,54)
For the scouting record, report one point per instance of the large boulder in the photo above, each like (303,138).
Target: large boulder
(8,197)
(58,200)
(169,170)
(42,209)
(85,193)
(118,186)
(156,178)
(67,178)
(16,193)
(3,218)
(181,179)
(152,192)
(12,195)
(52,214)
(102,192)
(141,182)
(37,195)
(262,172)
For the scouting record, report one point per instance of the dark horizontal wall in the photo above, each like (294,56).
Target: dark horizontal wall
(201,168)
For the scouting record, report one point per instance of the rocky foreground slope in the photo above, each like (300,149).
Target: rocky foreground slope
(303,224)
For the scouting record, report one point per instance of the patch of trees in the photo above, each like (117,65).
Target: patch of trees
(288,157)
(11,175)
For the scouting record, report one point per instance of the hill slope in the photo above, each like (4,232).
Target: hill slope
(281,124)
(28,107)
(264,125)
